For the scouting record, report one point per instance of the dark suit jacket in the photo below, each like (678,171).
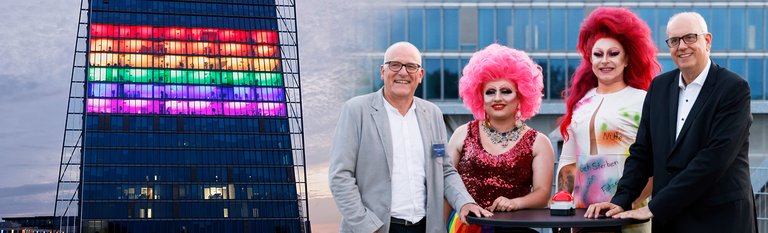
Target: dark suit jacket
(701,180)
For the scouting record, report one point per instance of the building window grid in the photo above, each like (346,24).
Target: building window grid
(442,29)
(544,32)
(148,214)
(547,73)
(442,79)
(483,15)
(654,23)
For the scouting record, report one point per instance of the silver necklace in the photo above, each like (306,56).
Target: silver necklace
(503,137)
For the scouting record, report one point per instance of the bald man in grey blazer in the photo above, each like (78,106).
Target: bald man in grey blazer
(388,170)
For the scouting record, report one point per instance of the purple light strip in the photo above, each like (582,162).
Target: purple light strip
(112,90)
(185,107)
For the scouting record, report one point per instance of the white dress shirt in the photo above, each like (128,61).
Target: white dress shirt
(688,95)
(409,195)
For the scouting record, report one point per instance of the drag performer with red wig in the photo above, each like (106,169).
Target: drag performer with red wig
(505,164)
(604,105)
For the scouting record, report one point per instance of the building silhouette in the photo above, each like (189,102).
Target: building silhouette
(36,224)
(184,116)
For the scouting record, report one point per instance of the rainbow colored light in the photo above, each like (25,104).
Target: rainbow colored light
(189,71)
(177,76)
(185,107)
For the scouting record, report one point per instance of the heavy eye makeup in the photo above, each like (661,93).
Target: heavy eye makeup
(611,53)
(504,91)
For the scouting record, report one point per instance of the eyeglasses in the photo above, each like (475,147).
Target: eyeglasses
(673,42)
(397,66)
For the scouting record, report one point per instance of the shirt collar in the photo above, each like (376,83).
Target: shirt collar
(391,108)
(699,79)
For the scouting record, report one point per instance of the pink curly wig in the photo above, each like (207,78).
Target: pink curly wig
(497,62)
(633,34)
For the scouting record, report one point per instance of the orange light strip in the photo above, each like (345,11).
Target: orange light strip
(179,47)
(100,59)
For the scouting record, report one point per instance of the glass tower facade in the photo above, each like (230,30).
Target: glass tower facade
(190,118)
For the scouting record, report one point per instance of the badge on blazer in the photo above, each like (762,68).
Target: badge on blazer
(438,150)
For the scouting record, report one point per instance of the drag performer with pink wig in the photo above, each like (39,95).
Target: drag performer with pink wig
(604,103)
(505,164)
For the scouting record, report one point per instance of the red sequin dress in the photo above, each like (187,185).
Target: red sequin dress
(488,176)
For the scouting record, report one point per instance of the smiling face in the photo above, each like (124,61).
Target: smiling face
(608,61)
(690,58)
(401,85)
(500,99)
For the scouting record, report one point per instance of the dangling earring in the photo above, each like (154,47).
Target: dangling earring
(518,122)
(487,120)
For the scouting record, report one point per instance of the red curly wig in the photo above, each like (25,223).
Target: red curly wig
(633,34)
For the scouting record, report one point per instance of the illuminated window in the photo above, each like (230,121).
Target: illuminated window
(215,192)
(129,193)
(147,193)
(138,61)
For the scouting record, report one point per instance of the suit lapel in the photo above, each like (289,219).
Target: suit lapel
(381,120)
(426,131)
(673,96)
(704,94)
(425,127)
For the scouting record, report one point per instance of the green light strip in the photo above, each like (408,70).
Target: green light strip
(236,78)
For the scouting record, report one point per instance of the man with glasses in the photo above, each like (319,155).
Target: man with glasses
(693,140)
(388,170)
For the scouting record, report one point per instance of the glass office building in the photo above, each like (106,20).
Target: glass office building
(184,116)
(449,31)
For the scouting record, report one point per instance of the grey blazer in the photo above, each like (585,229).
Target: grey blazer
(361,166)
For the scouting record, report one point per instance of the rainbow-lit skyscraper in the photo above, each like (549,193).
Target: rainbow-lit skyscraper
(184,116)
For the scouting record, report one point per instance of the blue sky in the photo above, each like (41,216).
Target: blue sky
(36,50)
